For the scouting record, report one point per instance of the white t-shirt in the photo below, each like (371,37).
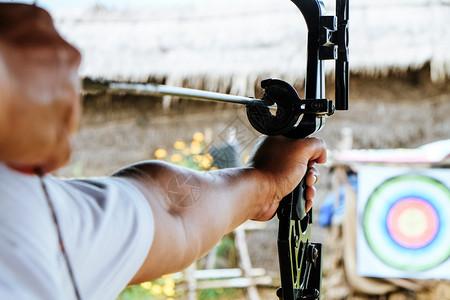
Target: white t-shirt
(107,227)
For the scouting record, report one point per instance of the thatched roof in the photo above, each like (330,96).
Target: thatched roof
(246,40)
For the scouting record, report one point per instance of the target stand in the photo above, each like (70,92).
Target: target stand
(403,222)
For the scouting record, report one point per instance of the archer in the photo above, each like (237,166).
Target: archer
(88,239)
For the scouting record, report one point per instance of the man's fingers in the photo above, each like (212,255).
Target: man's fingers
(309,205)
(312,176)
(317,149)
(310,193)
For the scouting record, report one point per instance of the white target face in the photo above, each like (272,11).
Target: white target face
(405,221)
(408,211)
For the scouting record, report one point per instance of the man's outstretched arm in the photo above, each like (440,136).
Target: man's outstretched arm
(194,210)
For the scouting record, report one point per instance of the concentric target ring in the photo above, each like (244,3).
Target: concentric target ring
(412,223)
(404,222)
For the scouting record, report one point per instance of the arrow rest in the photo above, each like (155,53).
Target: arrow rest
(289,108)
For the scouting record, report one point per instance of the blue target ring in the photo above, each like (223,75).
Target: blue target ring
(404,222)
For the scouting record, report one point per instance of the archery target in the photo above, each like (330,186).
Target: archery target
(404,221)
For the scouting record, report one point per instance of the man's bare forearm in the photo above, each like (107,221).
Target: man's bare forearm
(193,210)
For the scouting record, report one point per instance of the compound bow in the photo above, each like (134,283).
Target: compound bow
(299,258)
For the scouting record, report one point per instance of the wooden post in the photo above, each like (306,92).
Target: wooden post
(246,265)
(192,282)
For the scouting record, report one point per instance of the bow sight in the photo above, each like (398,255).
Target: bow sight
(299,258)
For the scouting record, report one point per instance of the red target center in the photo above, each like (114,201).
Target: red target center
(412,222)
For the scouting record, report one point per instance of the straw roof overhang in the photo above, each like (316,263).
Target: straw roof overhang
(241,41)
